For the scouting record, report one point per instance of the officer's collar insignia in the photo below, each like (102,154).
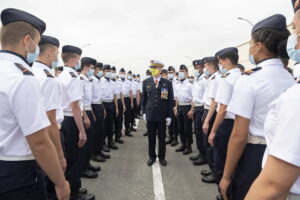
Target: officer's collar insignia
(23,69)
(225,75)
(250,71)
(48,74)
(73,75)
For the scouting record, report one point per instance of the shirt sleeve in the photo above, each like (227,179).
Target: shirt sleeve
(286,141)
(51,94)
(243,98)
(224,92)
(74,90)
(213,89)
(26,103)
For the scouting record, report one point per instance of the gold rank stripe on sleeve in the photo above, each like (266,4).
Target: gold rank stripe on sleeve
(73,75)
(48,74)
(250,71)
(23,69)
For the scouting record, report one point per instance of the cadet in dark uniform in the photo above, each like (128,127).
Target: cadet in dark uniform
(157,104)
(24,139)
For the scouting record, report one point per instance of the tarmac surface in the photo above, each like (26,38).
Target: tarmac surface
(126,176)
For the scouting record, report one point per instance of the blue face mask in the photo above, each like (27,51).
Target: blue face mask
(31,57)
(181,75)
(196,73)
(90,73)
(113,75)
(54,64)
(107,74)
(251,59)
(170,76)
(129,77)
(100,74)
(148,76)
(77,67)
(222,70)
(293,53)
(206,72)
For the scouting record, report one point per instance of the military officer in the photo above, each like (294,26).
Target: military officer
(157,104)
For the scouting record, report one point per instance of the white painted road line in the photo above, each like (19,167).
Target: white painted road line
(159,192)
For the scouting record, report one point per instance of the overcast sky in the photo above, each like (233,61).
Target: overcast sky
(129,33)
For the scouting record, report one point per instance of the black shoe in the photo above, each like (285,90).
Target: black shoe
(128,134)
(113,146)
(89,174)
(84,197)
(133,129)
(98,158)
(187,151)
(180,149)
(174,142)
(104,155)
(146,134)
(209,179)
(205,172)
(94,168)
(169,140)
(201,161)
(151,161)
(163,162)
(219,197)
(83,191)
(118,140)
(196,157)
(105,149)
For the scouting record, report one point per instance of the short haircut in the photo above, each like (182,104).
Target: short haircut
(12,33)
(67,56)
(214,64)
(45,47)
(233,57)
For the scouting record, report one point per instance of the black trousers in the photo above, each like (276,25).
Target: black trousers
(133,113)
(109,120)
(119,120)
(127,114)
(21,180)
(220,147)
(208,148)
(159,129)
(198,115)
(99,127)
(90,144)
(173,128)
(185,125)
(247,171)
(73,154)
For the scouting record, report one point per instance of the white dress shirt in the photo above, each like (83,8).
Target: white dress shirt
(22,110)
(87,85)
(108,88)
(126,87)
(118,85)
(282,130)
(97,93)
(199,87)
(184,92)
(253,93)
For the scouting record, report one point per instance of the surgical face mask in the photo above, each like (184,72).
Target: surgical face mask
(293,53)
(170,76)
(181,75)
(206,72)
(122,75)
(148,76)
(77,66)
(154,71)
(251,59)
(100,74)
(107,74)
(129,77)
(222,69)
(113,75)
(31,57)
(54,64)
(90,73)
(196,73)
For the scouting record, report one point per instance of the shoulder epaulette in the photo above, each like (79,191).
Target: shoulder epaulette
(73,75)
(23,69)
(81,78)
(250,71)
(48,74)
(213,77)
(225,75)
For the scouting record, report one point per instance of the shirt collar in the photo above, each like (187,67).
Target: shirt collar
(84,76)
(157,78)
(233,70)
(270,62)
(14,57)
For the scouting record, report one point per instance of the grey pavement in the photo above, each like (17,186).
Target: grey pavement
(127,177)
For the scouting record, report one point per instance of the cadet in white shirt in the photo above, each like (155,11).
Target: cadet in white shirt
(128,100)
(110,103)
(87,71)
(173,128)
(98,110)
(199,87)
(140,89)
(209,115)
(249,103)
(183,107)
(136,100)
(121,106)
(223,124)
(23,121)
(281,159)
(72,127)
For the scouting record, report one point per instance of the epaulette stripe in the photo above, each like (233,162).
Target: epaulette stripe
(24,70)
(48,74)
